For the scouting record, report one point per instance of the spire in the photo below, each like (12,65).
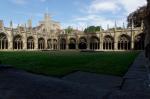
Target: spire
(29,23)
(25,27)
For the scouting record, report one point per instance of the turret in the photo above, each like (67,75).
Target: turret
(29,23)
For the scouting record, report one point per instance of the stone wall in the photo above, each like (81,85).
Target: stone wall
(147,30)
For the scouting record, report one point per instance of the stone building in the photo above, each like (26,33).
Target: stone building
(48,35)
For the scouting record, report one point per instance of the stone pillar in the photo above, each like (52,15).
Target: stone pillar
(101,41)
(115,40)
(88,44)
(10,40)
(24,39)
(36,42)
(132,40)
(45,43)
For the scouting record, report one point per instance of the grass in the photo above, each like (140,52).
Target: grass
(59,64)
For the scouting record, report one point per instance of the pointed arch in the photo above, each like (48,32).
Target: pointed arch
(72,43)
(49,44)
(124,42)
(94,43)
(62,44)
(55,44)
(17,42)
(82,43)
(108,43)
(139,42)
(3,41)
(41,43)
(30,42)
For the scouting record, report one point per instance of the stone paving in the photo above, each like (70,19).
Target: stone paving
(16,84)
(95,80)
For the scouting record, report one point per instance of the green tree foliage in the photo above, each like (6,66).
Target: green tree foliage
(92,29)
(118,28)
(69,30)
(137,17)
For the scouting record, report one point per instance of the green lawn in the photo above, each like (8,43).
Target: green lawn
(61,63)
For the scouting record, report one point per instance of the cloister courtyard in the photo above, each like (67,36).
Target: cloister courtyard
(60,63)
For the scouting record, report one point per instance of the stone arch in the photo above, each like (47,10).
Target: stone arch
(94,43)
(17,42)
(41,43)
(49,44)
(82,43)
(72,43)
(55,44)
(3,41)
(30,42)
(139,42)
(124,42)
(63,44)
(108,43)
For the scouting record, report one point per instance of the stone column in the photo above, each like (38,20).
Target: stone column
(24,39)
(132,40)
(101,41)
(45,47)
(36,42)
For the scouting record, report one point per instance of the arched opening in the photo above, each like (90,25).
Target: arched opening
(124,42)
(62,44)
(82,43)
(72,43)
(3,41)
(139,42)
(108,43)
(94,43)
(30,42)
(18,43)
(55,47)
(49,44)
(41,43)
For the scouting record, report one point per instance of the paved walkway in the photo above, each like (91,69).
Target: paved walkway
(16,84)
(135,83)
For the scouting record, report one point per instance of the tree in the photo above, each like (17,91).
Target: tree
(137,17)
(92,29)
(118,28)
(69,30)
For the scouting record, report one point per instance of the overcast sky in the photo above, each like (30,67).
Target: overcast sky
(75,13)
